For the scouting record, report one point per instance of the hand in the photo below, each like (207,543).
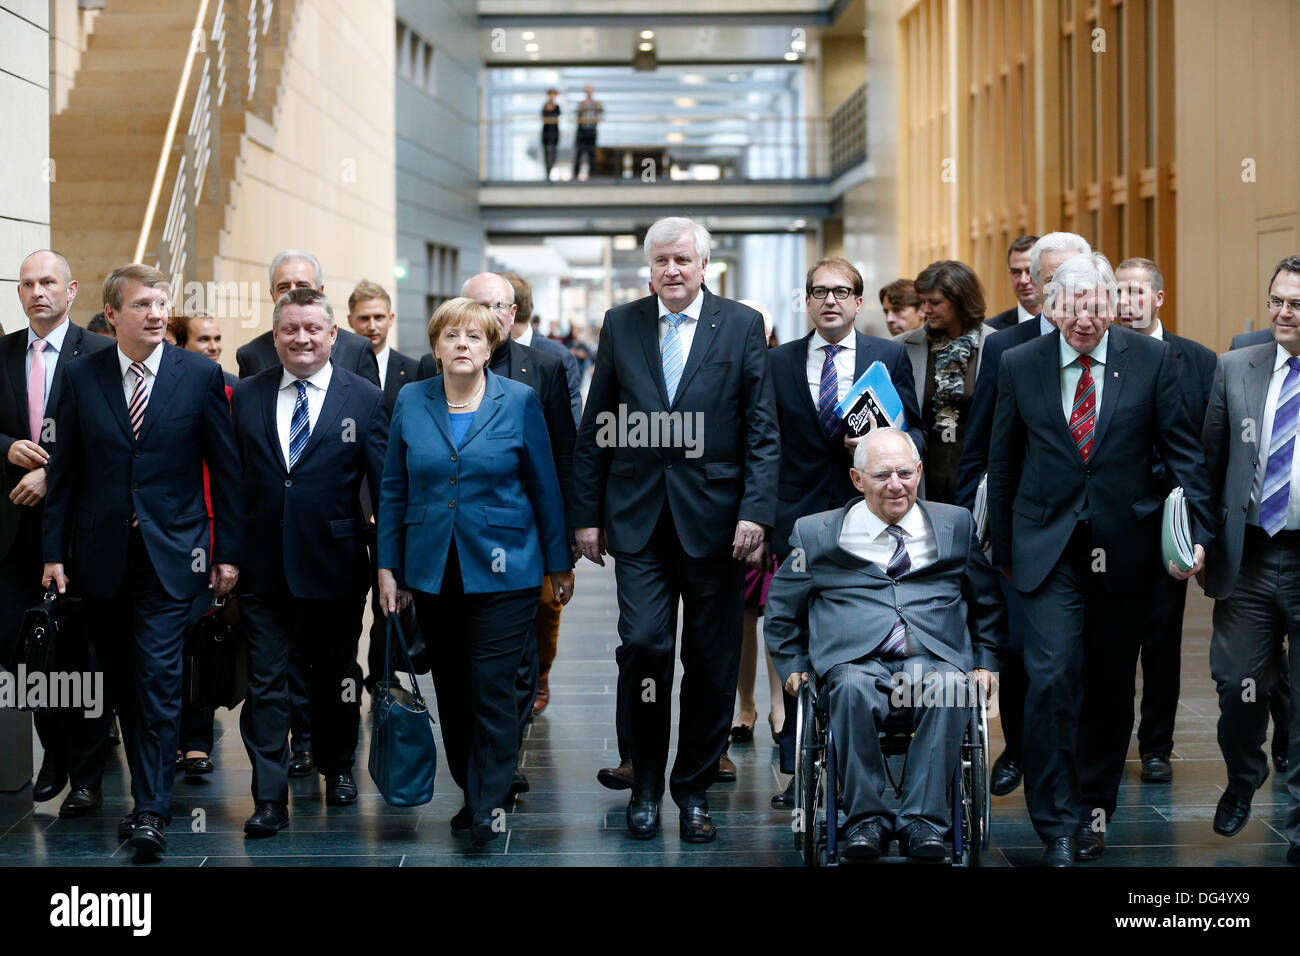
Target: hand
(986,680)
(1006,572)
(851,442)
(53,575)
(749,535)
(562,586)
(27,454)
(1198,563)
(222,578)
(30,489)
(760,558)
(793,681)
(591,544)
(392,599)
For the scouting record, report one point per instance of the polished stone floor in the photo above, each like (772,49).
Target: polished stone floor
(568,819)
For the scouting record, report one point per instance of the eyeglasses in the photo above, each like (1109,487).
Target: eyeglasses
(501,308)
(1275,304)
(904,474)
(820,292)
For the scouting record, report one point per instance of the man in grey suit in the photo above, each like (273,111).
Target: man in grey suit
(1250,449)
(882,599)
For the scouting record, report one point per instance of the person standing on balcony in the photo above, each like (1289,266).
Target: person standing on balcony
(590,112)
(550,131)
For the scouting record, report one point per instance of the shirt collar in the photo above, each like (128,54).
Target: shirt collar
(1098,355)
(53,341)
(526,336)
(912,523)
(1281,357)
(151,363)
(382,355)
(1045,325)
(1159,331)
(1023,314)
(817,342)
(321,379)
(692,311)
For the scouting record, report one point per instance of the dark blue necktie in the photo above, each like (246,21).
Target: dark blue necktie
(828,396)
(299,427)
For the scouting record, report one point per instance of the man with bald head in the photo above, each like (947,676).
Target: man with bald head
(30,361)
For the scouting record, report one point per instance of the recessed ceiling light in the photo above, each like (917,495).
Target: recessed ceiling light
(676,137)
(531,47)
(685,102)
(529,34)
(645,47)
(647,34)
(692,78)
(792,56)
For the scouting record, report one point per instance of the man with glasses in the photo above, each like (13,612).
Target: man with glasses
(811,375)
(1250,450)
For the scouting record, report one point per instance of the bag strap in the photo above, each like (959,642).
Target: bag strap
(395,627)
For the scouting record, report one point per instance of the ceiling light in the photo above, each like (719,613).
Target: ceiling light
(645,47)
(647,34)
(624,243)
(529,35)
(792,56)
(534,56)
(685,102)
(692,78)
(531,47)
(676,137)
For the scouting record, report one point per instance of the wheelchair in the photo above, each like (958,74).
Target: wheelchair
(816,813)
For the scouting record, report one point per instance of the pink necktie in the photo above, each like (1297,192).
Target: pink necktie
(36,390)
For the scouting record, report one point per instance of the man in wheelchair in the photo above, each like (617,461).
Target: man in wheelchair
(875,596)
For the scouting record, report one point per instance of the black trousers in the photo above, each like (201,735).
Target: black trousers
(1013,683)
(1081,650)
(379,629)
(325,634)
(197,722)
(549,147)
(584,146)
(712,591)
(139,637)
(476,644)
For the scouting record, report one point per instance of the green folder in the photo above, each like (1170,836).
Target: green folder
(1175,533)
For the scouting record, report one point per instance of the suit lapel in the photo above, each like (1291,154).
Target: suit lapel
(72,347)
(945,533)
(799,371)
(110,382)
(269,399)
(647,327)
(394,378)
(1049,365)
(1115,371)
(1255,385)
(435,403)
(706,330)
(164,386)
(15,366)
(831,545)
(336,397)
(493,398)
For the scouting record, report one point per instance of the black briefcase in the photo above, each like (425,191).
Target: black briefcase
(216,661)
(45,629)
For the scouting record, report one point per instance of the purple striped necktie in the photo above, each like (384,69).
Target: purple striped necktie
(135,412)
(895,644)
(828,395)
(1276,493)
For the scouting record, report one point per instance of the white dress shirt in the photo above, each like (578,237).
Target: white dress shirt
(1280,370)
(690,317)
(1072,371)
(1023,314)
(150,371)
(845,362)
(287,398)
(526,337)
(49,355)
(865,535)
(382,358)
(1158,332)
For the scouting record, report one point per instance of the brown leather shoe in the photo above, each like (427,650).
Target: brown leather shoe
(543,696)
(726,769)
(616,778)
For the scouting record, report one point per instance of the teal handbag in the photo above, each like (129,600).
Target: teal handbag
(403,756)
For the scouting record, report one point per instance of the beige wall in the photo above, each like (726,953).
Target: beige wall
(1238,100)
(69,28)
(323,179)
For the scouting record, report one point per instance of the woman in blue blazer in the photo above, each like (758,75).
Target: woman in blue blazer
(470,517)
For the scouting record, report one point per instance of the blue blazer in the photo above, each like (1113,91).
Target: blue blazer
(497,496)
(303,529)
(99,473)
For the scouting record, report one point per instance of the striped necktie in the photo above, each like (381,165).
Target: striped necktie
(672,356)
(1083,415)
(299,427)
(139,400)
(828,396)
(1281,453)
(895,644)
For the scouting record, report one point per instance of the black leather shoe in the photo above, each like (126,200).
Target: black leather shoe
(81,801)
(1006,776)
(921,841)
(340,789)
(197,766)
(519,784)
(126,826)
(1157,769)
(301,764)
(785,799)
(616,778)
(1089,843)
(697,826)
(49,784)
(149,836)
(268,819)
(481,831)
(1059,852)
(1280,763)
(463,818)
(1231,814)
(642,818)
(866,841)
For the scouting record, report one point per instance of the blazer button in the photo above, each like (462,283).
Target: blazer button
(451,504)
(288,483)
(453,456)
(136,454)
(669,465)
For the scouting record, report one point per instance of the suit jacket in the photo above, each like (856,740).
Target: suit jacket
(77,342)
(1237,396)
(1196,366)
(832,607)
(622,481)
(572,375)
(402,370)
(1038,482)
(1004,320)
(1244,340)
(975,442)
(496,495)
(99,473)
(522,363)
(814,471)
(351,351)
(303,528)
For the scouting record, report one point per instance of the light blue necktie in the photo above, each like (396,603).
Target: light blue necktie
(672,356)
(1281,452)
(299,427)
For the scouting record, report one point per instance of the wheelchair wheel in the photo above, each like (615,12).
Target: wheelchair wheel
(810,792)
(975,781)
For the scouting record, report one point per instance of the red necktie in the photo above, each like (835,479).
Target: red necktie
(1083,416)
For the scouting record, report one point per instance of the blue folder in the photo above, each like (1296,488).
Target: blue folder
(872,396)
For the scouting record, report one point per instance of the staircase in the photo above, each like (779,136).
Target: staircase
(106,143)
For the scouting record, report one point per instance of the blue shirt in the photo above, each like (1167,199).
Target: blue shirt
(460,422)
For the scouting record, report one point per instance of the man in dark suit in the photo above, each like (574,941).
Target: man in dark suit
(1141,293)
(31,361)
(308,434)
(126,526)
(816,452)
(1045,257)
(1024,285)
(202,334)
(1250,449)
(675,476)
(1246,339)
(1074,521)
